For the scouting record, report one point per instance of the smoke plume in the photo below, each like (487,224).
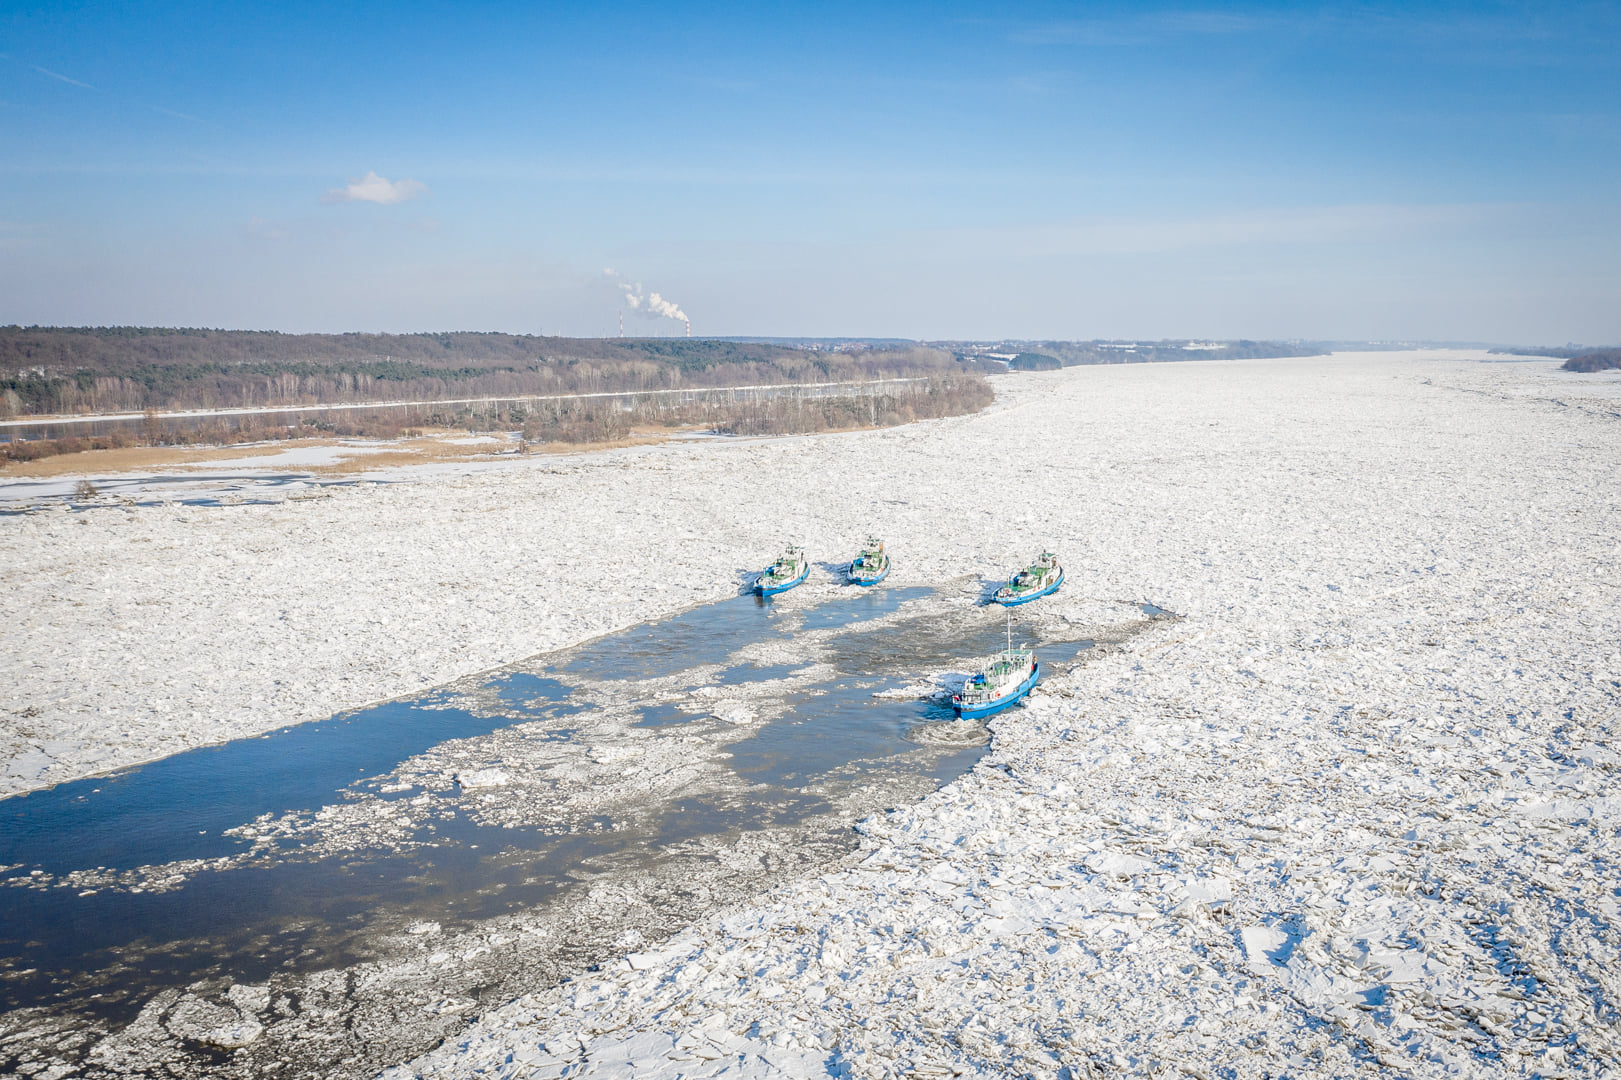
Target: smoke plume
(651,304)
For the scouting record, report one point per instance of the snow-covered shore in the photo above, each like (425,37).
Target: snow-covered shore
(1357,810)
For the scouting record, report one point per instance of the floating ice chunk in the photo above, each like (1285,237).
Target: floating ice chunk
(249,998)
(1117,864)
(1213,890)
(449,1007)
(1264,947)
(645,961)
(483,778)
(212,1024)
(734,712)
(639,1055)
(234,1036)
(30,765)
(950,733)
(1406,965)
(913,691)
(608,755)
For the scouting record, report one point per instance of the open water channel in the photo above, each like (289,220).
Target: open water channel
(616,789)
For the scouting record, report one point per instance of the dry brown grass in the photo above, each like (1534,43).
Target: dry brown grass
(136,459)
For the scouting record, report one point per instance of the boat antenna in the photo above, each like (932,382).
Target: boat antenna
(1010,631)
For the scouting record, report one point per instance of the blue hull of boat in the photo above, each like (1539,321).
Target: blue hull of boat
(997,706)
(1048,591)
(870,581)
(773,590)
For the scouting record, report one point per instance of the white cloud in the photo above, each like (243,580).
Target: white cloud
(376,189)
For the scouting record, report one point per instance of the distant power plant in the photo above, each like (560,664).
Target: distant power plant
(651,303)
(686,321)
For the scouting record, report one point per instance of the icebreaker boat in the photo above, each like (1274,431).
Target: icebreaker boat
(872,565)
(1005,680)
(789,570)
(1039,579)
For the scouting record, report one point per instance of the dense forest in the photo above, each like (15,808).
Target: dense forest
(128,369)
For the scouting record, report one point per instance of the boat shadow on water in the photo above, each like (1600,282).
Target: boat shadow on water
(748,581)
(988,588)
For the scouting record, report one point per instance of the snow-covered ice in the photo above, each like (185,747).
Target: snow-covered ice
(1355,811)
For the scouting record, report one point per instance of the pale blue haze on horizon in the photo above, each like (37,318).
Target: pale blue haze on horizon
(1422,171)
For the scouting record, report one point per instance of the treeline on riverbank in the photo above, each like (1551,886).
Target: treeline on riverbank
(1599,360)
(1050,355)
(788,412)
(574,421)
(67,370)
(381,424)
(1556,352)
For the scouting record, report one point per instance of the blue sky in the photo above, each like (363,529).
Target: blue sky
(942,170)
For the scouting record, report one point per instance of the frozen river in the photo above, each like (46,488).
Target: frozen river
(304,849)
(1353,812)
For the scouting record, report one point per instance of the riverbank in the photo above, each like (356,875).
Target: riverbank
(1295,831)
(576,421)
